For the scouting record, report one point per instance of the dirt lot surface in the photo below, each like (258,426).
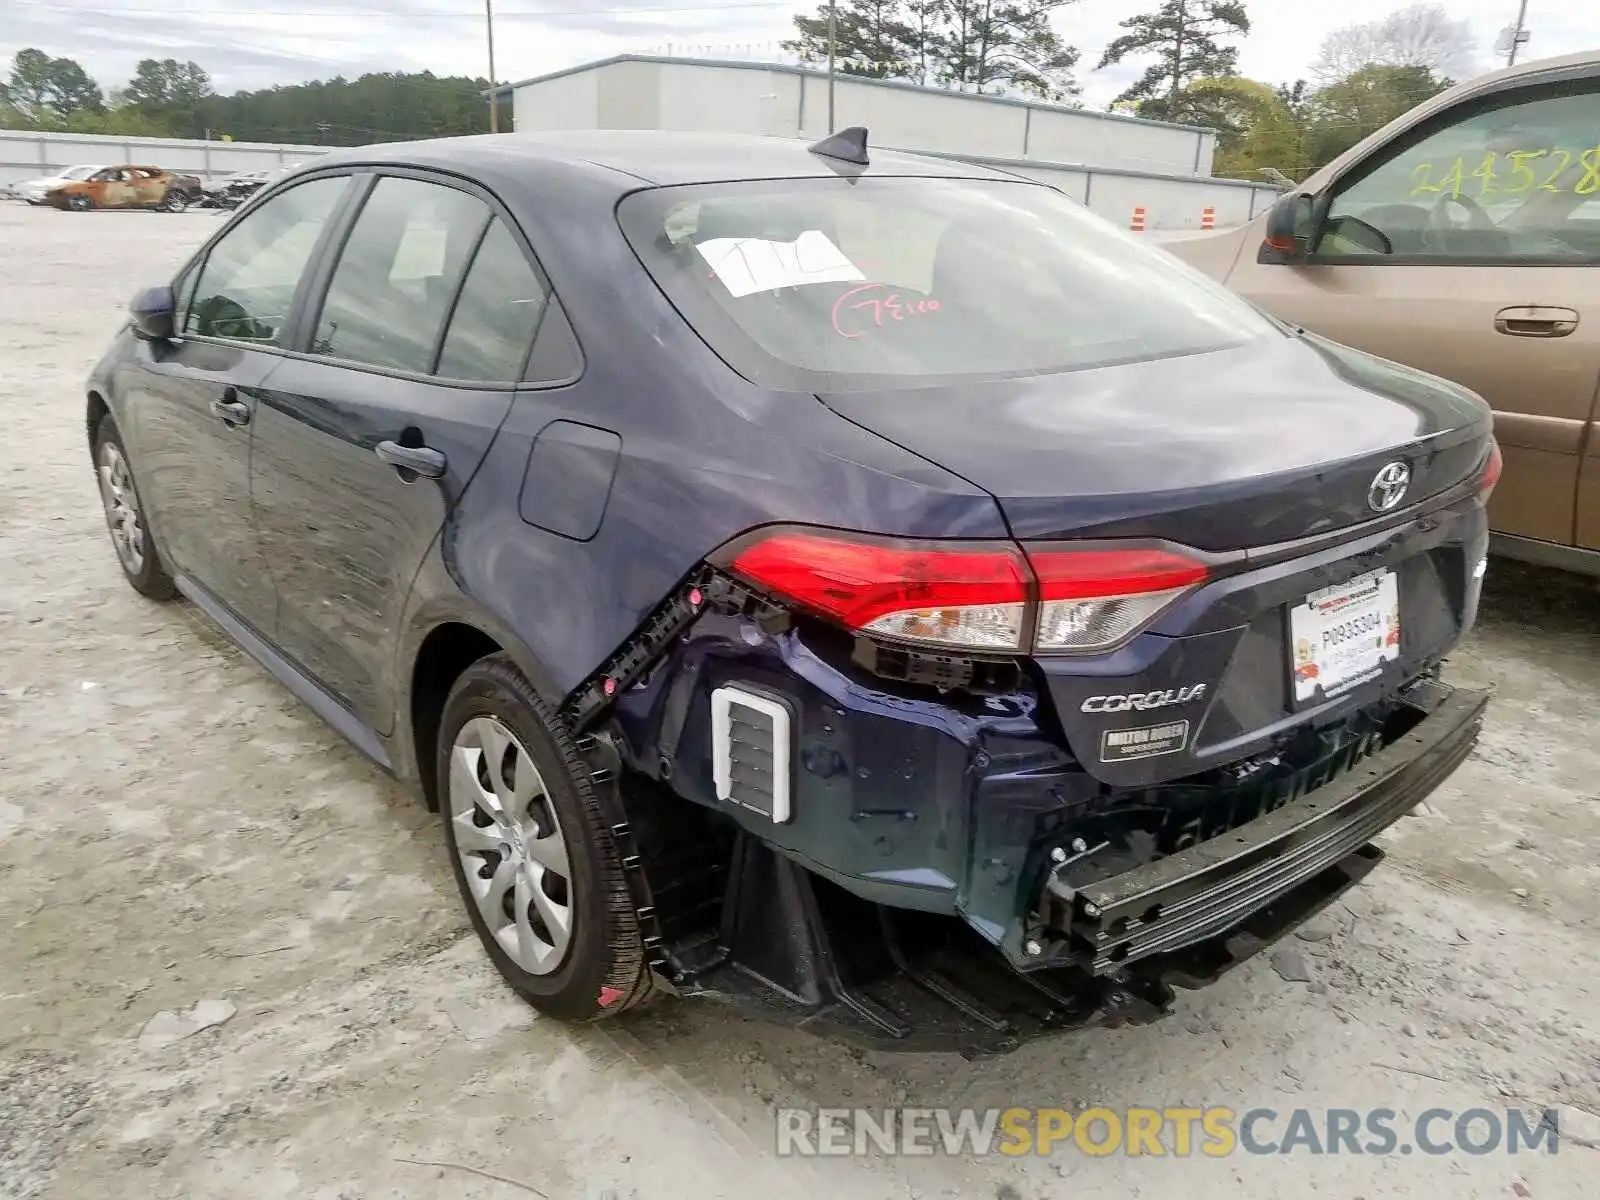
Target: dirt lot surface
(175,829)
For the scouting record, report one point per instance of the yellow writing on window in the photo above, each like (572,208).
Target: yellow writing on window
(1509,173)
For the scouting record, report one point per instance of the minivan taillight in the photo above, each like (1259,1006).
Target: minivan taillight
(1491,470)
(969,595)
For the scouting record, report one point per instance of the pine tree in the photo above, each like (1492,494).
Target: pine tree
(996,46)
(1183,35)
(871,37)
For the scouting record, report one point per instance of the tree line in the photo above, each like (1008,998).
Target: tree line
(1364,76)
(168,98)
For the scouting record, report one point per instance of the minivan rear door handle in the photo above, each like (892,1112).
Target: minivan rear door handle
(418,460)
(1536,321)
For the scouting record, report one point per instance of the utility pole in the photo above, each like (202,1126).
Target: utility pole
(833,37)
(1518,34)
(494,82)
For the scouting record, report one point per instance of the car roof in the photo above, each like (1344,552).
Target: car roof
(648,156)
(1536,66)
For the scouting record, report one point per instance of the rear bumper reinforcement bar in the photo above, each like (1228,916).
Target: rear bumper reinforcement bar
(1209,888)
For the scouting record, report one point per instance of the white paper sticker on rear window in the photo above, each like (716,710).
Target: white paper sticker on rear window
(748,265)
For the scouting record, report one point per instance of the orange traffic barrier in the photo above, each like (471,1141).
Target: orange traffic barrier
(1208,218)
(1137,224)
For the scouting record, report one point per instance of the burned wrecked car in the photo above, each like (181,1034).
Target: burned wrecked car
(865,589)
(127,187)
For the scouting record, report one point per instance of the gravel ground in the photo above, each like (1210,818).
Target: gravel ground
(175,829)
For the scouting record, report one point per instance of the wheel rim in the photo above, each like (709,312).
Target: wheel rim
(512,850)
(122,508)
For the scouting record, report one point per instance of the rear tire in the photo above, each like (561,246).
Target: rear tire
(533,856)
(126,518)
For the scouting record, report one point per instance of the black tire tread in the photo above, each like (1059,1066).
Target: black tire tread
(155,581)
(627,969)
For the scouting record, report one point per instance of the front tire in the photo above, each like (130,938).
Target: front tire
(80,203)
(125,516)
(533,856)
(174,201)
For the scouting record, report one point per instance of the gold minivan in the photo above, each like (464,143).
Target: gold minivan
(1463,239)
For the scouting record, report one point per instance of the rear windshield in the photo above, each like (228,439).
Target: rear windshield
(841,285)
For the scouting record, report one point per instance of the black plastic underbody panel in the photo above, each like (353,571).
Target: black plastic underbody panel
(1206,889)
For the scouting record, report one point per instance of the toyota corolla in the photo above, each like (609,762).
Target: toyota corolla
(865,589)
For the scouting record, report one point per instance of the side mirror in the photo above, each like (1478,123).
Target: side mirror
(152,312)
(1290,227)
(1352,233)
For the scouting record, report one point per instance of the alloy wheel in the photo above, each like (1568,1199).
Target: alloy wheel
(513,854)
(122,508)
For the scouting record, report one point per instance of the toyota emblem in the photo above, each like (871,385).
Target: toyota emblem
(1388,487)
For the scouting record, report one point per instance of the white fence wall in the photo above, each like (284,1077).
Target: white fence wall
(1171,202)
(28,154)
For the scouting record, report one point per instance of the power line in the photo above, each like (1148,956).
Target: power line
(428,15)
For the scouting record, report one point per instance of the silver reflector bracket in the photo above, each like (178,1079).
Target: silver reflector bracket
(750,740)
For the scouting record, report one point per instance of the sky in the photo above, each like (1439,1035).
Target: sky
(257,43)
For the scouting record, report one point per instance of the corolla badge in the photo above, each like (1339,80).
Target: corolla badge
(1388,486)
(1142,701)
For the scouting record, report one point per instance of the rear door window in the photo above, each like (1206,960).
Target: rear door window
(398,274)
(497,314)
(250,276)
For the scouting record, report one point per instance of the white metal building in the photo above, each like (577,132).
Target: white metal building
(1110,161)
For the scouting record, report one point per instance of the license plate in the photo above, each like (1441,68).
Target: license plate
(1342,635)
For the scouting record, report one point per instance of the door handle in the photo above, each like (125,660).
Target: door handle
(419,460)
(230,410)
(1536,321)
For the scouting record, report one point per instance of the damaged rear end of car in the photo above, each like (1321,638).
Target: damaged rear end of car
(955,792)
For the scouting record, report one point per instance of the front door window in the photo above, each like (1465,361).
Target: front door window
(1513,179)
(250,277)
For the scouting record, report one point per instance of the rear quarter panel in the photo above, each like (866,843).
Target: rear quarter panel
(704,457)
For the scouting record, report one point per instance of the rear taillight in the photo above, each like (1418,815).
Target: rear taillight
(972,595)
(1491,470)
(1091,599)
(936,593)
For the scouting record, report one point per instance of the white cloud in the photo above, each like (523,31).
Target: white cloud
(251,43)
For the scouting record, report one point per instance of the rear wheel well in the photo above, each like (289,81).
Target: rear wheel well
(445,653)
(96,413)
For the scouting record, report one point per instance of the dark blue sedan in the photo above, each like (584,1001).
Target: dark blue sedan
(864,588)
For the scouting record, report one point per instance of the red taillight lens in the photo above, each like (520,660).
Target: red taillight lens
(1491,470)
(937,593)
(1082,574)
(1093,599)
(975,596)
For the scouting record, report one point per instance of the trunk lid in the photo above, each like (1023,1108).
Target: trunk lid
(1265,456)
(1260,444)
